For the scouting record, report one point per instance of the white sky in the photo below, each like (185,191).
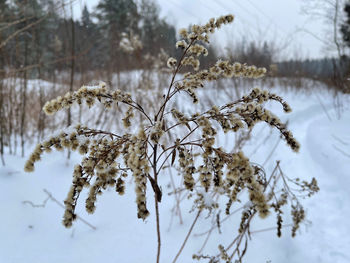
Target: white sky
(280,21)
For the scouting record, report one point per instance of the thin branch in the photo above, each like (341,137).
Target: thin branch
(61,205)
(223,220)
(341,151)
(34,205)
(9,24)
(187,236)
(269,229)
(272,151)
(4,43)
(162,108)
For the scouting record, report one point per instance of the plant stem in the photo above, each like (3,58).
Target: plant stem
(188,235)
(158,229)
(156,199)
(162,108)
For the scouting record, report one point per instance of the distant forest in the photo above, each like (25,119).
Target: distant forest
(92,41)
(39,38)
(311,68)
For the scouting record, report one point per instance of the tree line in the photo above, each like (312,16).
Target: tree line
(92,40)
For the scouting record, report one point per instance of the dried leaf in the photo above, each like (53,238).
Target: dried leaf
(173,157)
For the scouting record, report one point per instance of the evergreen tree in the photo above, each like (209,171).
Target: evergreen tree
(86,21)
(155,32)
(345,28)
(90,41)
(116,17)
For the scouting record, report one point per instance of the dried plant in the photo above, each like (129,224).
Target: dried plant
(168,135)
(277,189)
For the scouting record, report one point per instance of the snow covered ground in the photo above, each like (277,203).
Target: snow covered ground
(36,235)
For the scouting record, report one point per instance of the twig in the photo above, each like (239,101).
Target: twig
(12,23)
(187,236)
(272,151)
(57,202)
(341,151)
(223,220)
(269,229)
(34,205)
(2,44)
(206,240)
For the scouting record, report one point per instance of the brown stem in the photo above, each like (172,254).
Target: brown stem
(187,236)
(136,105)
(158,228)
(223,220)
(162,108)
(160,168)
(156,199)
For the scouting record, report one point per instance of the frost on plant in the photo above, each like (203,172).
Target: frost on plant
(188,142)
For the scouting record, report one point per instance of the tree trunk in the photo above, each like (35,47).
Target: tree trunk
(2,122)
(24,98)
(69,117)
(2,106)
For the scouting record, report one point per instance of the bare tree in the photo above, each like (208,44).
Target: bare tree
(331,13)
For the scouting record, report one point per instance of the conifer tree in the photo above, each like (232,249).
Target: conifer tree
(345,28)
(116,17)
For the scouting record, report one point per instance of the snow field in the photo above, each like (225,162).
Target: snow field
(36,235)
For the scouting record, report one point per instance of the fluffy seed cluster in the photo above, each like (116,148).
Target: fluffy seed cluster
(222,69)
(186,163)
(231,173)
(136,160)
(205,200)
(201,32)
(277,206)
(298,215)
(156,132)
(241,174)
(181,44)
(171,62)
(130,43)
(246,112)
(98,169)
(198,50)
(192,42)
(191,61)
(89,94)
(127,119)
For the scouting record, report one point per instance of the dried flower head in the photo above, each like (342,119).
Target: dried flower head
(208,171)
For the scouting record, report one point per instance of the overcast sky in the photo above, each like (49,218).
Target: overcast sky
(280,21)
